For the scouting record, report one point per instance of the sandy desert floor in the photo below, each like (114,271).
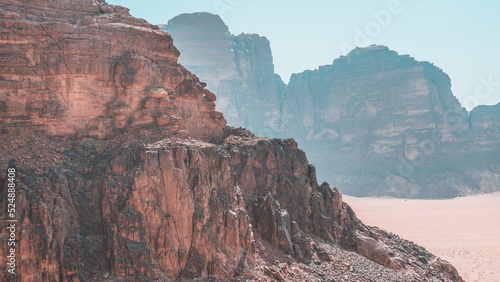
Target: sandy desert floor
(464,231)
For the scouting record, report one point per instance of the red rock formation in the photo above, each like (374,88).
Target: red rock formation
(180,208)
(167,191)
(91,68)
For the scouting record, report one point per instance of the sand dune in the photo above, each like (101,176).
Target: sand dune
(464,231)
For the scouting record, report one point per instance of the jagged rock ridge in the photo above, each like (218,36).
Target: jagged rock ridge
(125,171)
(52,84)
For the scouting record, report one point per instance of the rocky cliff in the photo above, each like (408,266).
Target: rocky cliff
(124,171)
(379,123)
(238,69)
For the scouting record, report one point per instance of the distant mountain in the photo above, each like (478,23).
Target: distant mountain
(485,124)
(374,122)
(238,68)
(378,123)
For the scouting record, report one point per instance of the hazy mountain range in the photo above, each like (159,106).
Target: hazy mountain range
(373,122)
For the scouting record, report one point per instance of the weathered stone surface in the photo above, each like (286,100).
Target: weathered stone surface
(238,69)
(371,248)
(177,208)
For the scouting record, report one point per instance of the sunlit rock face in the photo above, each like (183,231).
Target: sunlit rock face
(92,69)
(238,69)
(124,170)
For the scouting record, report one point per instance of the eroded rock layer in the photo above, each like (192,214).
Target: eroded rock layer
(181,208)
(485,126)
(91,68)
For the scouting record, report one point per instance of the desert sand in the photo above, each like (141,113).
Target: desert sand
(463,231)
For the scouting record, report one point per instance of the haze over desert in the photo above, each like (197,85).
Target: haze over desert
(464,231)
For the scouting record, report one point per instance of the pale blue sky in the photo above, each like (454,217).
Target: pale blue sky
(460,37)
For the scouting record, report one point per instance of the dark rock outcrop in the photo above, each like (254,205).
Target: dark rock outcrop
(125,171)
(181,208)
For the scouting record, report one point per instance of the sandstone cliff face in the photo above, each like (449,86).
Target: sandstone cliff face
(238,69)
(91,210)
(125,171)
(375,102)
(51,82)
